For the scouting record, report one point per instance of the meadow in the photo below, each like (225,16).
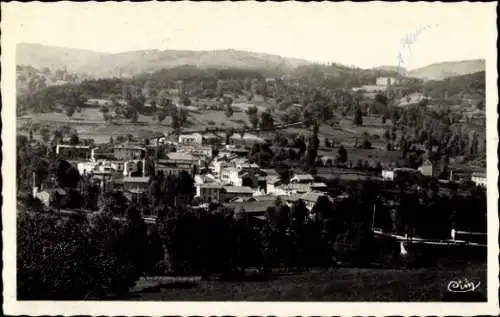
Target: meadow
(339,284)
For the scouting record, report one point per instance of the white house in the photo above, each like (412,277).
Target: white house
(85,168)
(479,179)
(388,175)
(195,138)
(386,81)
(426,168)
(209,191)
(230,175)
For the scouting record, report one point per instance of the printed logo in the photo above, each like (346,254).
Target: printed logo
(462,286)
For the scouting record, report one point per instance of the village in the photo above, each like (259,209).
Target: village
(222,173)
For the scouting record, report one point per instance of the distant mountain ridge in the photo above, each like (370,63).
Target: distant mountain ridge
(144,61)
(98,64)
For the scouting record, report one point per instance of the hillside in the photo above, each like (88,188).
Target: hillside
(137,62)
(470,85)
(43,56)
(444,70)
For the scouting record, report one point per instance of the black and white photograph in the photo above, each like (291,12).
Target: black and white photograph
(265,153)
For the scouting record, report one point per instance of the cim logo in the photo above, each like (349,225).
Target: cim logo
(462,286)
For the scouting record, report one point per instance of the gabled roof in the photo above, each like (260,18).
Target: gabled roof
(313,197)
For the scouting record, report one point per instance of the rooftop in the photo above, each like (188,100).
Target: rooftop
(129,179)
(303,177)
(238,189)
(129,147)
(181,156)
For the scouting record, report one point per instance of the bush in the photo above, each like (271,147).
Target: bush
(73,259)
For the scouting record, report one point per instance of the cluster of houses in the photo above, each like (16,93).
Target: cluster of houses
(225,175)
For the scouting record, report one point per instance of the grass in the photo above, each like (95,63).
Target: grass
(341,284)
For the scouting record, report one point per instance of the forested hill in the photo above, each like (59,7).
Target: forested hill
(439,71)
(137,62)
(471,84)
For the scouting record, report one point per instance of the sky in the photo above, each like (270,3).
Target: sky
(365,35)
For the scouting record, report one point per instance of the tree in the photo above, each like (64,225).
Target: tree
(73,259)
(327,143)
(229,111)
(342,155)
(160,116)
(253,117)
(74,140)
(266,120)
(105,113)
(312,149)
(358,117)
(423,102)
(70,111)
(45,133)
(387,135)
(366,144)
(480,105)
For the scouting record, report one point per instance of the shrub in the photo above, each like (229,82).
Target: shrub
(73,259)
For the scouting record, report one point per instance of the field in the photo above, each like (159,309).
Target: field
(341,284)
(89,123)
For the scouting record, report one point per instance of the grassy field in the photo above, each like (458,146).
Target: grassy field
(89,123)
(341,284)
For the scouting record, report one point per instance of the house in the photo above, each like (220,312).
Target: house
(388,175)
(85,168)
(126,152)
(479,179)
(190,139)
(251,208)
(426,168)
(302,179)
(230,175)
(319,187)
(134,168)
(50,197)
(182,158)
(386,81)
(201,152)
(74,151)
(290,189)
(205,179)
(230,192)
(311,198)
(209,192)
(211,139)
(135,183)
(167,167)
